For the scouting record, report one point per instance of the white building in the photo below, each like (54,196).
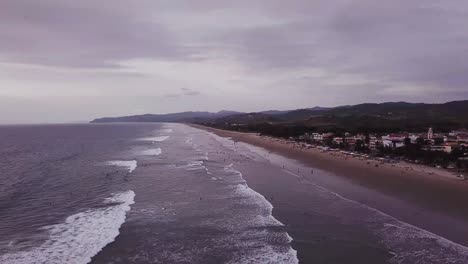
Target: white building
(430,134)
(444,148)
(317,137)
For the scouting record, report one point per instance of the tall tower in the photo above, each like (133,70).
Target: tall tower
(430,133)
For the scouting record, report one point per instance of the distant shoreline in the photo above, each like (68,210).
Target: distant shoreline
(431,188)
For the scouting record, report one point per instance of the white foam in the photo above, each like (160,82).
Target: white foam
(267,254)
(195,164)
(131,165)
(152,152)
(189,140)
(155,139)
(264,218)
(230,169)
(80,237)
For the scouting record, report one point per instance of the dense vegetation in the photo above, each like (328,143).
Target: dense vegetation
(364,118)
(370,118)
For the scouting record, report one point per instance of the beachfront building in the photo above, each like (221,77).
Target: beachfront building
(350,140)
(445,148)
(451,139)
(338,140)
(456,133)
(374,142)
(327,136)
(430,134)
(462,139)
(317,137)
(394,140)
(414,138)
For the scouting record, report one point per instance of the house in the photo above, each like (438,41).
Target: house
(462,138)
(414,138)
(317,137)
(458,132)
(451,139)
(394,140)
(374,142)
(430,134)
(445,148)
(338,140)
(351,140)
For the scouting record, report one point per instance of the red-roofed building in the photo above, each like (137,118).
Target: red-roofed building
(462,138)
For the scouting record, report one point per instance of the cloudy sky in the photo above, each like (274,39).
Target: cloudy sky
(67,60)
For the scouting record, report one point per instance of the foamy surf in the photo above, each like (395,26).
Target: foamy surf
(80,237)
(131,165)
(155,139)
(151,152)
(264,219)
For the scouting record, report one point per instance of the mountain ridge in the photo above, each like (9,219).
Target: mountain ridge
(388,114)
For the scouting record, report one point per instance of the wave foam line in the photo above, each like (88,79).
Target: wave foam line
(154,139)
(152,152)
(131,165)
(265,218)
(80,237)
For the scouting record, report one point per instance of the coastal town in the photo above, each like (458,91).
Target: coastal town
(441,150)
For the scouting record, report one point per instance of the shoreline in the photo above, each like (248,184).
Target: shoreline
(328,208)
(422,186)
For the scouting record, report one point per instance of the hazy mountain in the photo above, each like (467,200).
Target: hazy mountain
(275,112)
(282,112)
(174,117)
(248,118)
(391,116)
(373,116)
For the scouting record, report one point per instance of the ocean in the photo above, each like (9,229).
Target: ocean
(170,193)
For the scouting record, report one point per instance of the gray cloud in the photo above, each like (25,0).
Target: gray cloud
(320,52)
(184,92)
(398,41)
(190,92)
(81,33)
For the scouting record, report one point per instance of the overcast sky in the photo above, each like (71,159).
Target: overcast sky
(68,60)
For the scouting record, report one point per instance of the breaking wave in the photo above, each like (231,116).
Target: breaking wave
(131,165)
(81,236)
